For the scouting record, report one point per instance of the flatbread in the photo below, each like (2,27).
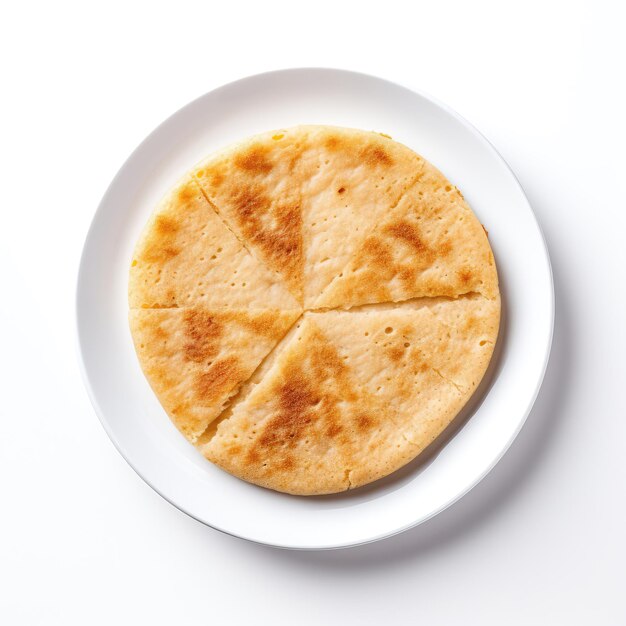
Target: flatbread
(187,256)
(355,395)
(358,179)
(313,306)
(431,244)
(196,359)
(256,188)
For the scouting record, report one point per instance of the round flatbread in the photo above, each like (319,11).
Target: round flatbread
(313,306)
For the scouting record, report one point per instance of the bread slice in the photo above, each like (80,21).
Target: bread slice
(186,256)
(196,359)
(431,244)
(358,178)
(256,188)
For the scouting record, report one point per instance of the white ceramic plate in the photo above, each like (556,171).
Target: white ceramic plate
(130,412)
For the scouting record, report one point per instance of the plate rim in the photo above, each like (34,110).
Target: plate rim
(90,234)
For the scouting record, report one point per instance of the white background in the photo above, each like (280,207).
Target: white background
(83,540)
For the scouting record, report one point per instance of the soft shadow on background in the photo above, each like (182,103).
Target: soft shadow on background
(499,488)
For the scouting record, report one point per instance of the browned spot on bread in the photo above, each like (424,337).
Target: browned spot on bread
(253,457)
(374,156)
(486,231)
(365,422)
(294,158)
(265,323)
(326,364)
(378,262)
(216,179)
(443,249)
(333,430)
(250,203)
(296,399)
(160,253)
(279,236)
(471,323)
(334,143)
(465,275)
(396,353)
(408,274)
(410,234)
(234,450)
(203,332)
(254,160)
(217,380)
(187,193)
(163,248)
(307,396)
(165,225)
(377,252)
(159,333)
(287,464)
(284,244)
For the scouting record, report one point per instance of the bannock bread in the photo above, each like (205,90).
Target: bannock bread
(313,306)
